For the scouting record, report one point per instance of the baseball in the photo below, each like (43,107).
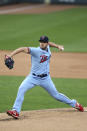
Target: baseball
(62,48)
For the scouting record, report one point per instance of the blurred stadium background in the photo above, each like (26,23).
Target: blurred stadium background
(83,2)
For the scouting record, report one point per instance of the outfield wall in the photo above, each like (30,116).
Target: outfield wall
(33,1)
(69,1)
(2,2)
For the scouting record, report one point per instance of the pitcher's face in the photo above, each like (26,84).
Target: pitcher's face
(43,45)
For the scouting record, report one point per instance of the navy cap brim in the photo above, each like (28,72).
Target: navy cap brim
(43,41)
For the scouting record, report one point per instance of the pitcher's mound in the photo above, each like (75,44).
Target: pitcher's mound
(46,120)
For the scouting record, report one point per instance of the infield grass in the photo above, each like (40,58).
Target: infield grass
(68,28)
(37,98)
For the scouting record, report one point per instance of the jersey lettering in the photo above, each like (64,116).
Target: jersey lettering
(43,58)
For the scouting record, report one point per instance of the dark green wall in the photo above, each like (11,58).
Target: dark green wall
(19,1)
(33,1)
(42,1)
(2,2)
(70,1)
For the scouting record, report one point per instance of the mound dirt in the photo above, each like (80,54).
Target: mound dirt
(46,120)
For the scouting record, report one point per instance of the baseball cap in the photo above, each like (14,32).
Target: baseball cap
(44,39)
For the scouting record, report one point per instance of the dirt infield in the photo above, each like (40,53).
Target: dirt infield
(63,65)
(33,9)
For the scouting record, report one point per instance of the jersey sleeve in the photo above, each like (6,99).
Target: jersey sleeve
(49,50)
(33,51)
(48,47)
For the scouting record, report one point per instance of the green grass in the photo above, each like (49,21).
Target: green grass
(65,27)
(38,98)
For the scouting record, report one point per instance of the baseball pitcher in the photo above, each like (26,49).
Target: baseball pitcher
(39,75)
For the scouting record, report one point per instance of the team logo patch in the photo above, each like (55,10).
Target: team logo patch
(43,58)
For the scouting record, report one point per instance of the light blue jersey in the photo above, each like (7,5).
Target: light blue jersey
(40,60)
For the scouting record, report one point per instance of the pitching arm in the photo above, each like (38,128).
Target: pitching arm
(60,47)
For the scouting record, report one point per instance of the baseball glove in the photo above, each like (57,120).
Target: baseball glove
(9,62)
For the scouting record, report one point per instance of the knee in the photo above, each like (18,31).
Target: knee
(55,96)
(21,90)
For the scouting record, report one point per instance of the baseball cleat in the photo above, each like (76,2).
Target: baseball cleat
(13,113)
(79,107)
